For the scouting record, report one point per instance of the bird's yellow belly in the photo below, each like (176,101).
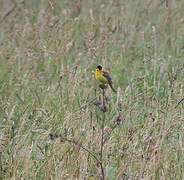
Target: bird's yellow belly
(102,79)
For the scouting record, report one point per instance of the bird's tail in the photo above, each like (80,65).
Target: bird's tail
(112,87)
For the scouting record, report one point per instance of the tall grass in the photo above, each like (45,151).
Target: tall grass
(48,53)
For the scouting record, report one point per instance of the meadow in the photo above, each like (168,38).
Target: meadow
(52,125)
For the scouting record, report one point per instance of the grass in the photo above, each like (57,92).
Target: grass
(48,52)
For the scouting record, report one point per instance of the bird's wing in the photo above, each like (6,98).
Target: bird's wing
(106,75)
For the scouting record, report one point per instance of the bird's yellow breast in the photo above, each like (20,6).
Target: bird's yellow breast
(99,76)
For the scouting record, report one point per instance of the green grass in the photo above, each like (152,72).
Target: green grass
(48,53)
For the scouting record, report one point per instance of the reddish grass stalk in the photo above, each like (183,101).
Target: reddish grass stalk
(179,102)
(63,139)
(102,143)
(101,152)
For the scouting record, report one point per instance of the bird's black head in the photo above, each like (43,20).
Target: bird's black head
(99,67)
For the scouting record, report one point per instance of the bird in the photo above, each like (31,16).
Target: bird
(103,77)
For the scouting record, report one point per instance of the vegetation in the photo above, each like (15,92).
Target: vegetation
(50,112)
